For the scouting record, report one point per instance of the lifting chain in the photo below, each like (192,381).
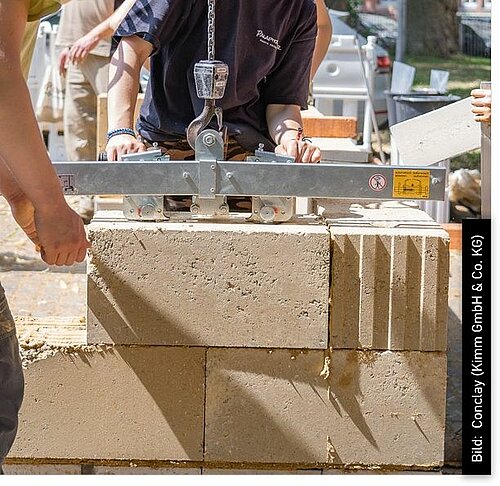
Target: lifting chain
(211,30)
(210,78)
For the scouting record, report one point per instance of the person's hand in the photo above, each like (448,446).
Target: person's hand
(63,61)
(61,235)
(123,144)
(82,47)
(482,105)
(304,152)
(23,212)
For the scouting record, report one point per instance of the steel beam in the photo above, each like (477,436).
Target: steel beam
(353,181)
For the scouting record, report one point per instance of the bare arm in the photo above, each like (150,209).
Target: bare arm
(26,165)
(323,37)
(123,89)
(82,47)
(284,122)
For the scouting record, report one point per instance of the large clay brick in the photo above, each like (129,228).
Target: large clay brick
(121,403)
(330,126)
(374,408)
(209,284)
(42,469)
(389,280)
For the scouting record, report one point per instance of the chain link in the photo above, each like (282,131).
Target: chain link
(211,30)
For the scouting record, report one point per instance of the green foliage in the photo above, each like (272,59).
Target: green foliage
(466,72)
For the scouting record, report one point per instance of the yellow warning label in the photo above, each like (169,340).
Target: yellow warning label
(411,184)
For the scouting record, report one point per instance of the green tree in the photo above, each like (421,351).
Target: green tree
(432,27)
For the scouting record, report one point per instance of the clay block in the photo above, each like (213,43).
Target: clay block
(122,403)
(219,472)
(330,126)
(389,280)
(209,284)
(42,469)
(143,471)
(373,408)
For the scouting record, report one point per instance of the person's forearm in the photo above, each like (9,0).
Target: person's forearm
(108,27)
(119,14)
(323,37)
(123,88)
(283,122)
(9,187)
(28,162)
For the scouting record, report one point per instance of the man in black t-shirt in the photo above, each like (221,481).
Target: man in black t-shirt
(268,46)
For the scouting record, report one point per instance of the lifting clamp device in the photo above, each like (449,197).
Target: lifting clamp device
(272,181)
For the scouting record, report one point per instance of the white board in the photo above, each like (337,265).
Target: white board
(438,135)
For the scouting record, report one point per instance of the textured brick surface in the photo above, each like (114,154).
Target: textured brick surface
(209,284)
(125,471)
(389,280)
(41,469)
(274,471)
(122,403)
(373,409)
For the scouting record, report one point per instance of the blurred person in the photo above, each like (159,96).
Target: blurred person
(84,34)
(30,185)
(85,69)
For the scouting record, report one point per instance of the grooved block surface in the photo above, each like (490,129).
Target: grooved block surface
(389,285)
(121,403)
(197,284)
(374,408)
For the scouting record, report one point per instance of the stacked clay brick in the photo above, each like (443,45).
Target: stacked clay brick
(317,345)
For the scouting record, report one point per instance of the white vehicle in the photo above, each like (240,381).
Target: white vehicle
(382,78)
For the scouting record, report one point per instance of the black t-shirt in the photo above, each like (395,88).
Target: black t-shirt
(268,45)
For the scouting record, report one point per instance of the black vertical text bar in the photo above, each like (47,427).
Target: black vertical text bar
(476,346)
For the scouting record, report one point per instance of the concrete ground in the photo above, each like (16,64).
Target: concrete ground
(42,296)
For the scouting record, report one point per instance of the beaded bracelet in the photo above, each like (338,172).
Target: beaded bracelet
(120,131)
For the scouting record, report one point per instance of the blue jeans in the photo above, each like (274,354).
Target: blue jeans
(11,379)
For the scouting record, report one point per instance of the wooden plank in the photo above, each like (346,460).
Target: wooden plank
(438,135)
(330,126)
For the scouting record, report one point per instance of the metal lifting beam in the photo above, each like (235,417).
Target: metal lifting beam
(353,181)
(272,181)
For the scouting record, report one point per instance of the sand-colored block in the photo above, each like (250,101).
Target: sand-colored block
(121,403)
(209,284)
(330,126)
(389,285)
(271,471)
(373,408)
(145,471)
(42,469)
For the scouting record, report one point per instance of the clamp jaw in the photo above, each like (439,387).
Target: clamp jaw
(211,80)
(209,149)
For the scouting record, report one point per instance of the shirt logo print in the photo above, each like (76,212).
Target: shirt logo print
(268,40)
